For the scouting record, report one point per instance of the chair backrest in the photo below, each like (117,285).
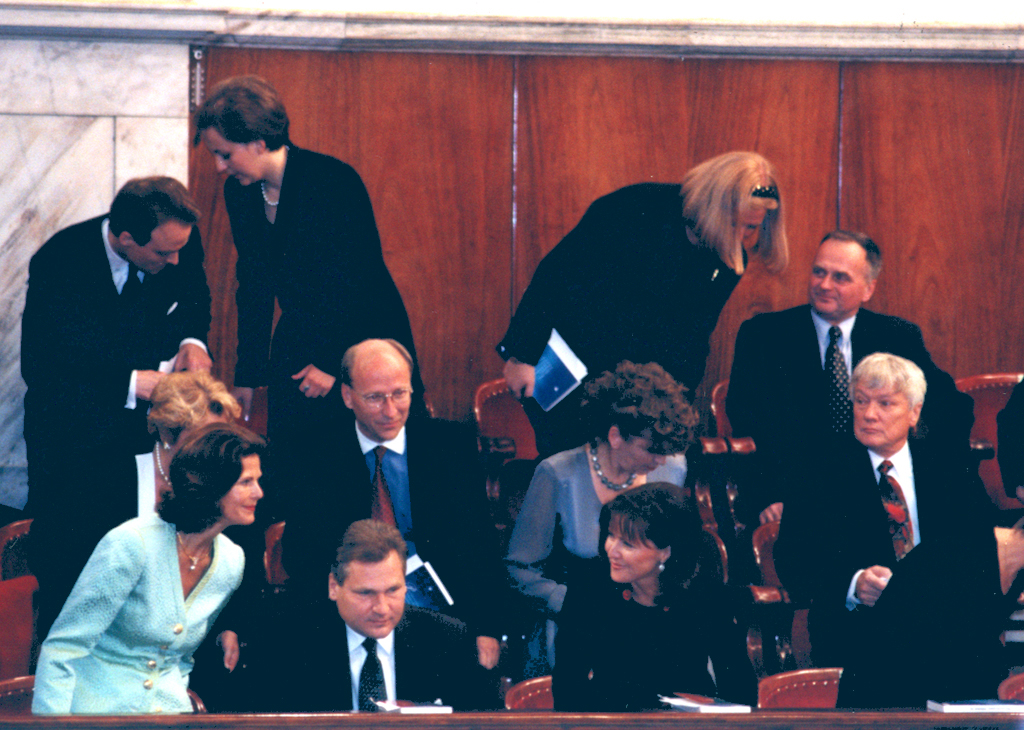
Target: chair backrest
(723,429)
(272,562)
(14,549)
(17,635)
(530,694)
(198,706)
(723,556)
(990,392)
(764,546)
(1012,688)
(800,689)
(16,696)
(499,415)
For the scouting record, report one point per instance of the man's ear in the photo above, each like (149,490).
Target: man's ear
(332,587)
(347,395)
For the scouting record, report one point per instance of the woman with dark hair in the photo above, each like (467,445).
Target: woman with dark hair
(305,233)
(639,423)
(154,585)
(653,627)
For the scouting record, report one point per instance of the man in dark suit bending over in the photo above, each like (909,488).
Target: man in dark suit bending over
(422,475)
(381,649)
(788,386)
(113,303)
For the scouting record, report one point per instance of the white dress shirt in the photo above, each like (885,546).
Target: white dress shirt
(821,328)
(357,656)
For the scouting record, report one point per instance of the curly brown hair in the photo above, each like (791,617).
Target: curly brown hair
(643,401)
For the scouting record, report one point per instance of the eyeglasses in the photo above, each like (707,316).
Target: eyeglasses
(401,398)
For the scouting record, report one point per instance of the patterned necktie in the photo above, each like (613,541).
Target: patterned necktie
(900,526)
(371,678)
(839,380)
(382,509)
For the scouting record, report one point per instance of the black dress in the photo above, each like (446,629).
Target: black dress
(615,655)
(625,284)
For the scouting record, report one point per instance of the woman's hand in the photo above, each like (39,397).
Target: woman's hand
(228,641)
(315,382)
(520,378)
(488,651)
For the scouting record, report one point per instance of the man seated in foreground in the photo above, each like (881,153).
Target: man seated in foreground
(380,649)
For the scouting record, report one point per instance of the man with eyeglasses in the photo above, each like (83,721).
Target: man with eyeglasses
(421,475)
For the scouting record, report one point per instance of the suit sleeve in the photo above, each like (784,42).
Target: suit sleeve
(95,601)
(1011,440)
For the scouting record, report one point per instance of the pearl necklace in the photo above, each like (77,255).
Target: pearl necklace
(159,463)
(605,480)
(192,560)
(272,204)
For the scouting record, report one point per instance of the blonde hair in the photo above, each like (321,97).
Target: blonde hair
(883,370)
(717,191)
(183,400)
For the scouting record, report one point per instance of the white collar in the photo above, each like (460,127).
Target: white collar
(901,461)
(355,639)
(366,444)
(822,327)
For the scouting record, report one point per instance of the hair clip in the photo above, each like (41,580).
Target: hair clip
(765,191)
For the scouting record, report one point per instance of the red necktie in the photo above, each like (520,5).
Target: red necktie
(900,527)
(382,508)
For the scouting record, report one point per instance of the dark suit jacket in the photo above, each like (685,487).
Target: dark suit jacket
(434,659)
(778,394)
(942,614)
(839,527)
(78,347)
(1011,441)
(322,259)
(451,528)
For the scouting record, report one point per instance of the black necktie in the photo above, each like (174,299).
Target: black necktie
(839,383)
(371,678)
(132,286)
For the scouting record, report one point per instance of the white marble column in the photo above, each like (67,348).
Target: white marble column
(77,120)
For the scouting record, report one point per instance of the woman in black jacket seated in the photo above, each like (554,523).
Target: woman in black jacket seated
(652,627)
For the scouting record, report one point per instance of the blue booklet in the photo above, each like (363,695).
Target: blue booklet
(558,372)
(424,587)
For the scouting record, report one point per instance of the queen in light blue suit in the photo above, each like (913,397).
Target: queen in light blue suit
(153,587)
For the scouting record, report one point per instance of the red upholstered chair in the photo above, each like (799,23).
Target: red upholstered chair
(502,423)
(17,626)
(764,544)
(723,428)
(1012,688)
(257,420)
(16,696)
(272,564)
(530,694)
(14,549)
(800,689)
(198,706)
(990,392)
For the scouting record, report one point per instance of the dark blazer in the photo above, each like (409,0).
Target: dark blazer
(451,527)
(839,526)
(625,284)
(79,346)
(942,614)
(321,259)
(435,658)
(1010,439)
(778,393)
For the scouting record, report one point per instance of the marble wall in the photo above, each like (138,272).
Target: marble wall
(79,119)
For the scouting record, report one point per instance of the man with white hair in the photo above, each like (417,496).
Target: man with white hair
(870,502)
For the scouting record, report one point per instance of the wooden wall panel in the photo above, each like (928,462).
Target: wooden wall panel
(431,137)
(589,126)
(932,161)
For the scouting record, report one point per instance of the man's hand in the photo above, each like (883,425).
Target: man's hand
(487,651)
(520,378)
(244,398)
(145,381)
(871,583)
(315,382)
(192,357)
(228,641)
(772,513)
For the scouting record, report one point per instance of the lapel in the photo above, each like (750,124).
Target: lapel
(865,336)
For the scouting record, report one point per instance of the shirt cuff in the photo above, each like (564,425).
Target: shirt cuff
(130,403)
(851,598)
(193,341)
